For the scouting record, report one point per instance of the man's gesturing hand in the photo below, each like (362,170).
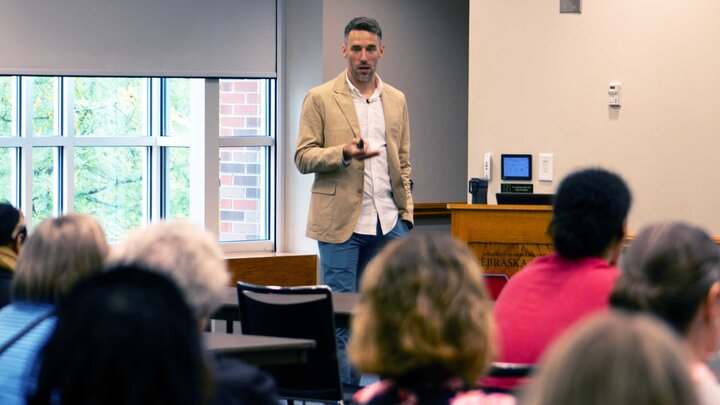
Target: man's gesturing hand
(356,149)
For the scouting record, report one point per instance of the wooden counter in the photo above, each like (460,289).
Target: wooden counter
(503,237)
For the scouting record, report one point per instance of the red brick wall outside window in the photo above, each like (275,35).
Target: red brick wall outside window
(242,169)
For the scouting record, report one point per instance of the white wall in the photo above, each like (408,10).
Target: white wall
(538,83)
(303,71)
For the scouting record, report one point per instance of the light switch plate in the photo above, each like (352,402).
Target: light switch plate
(545,169)
(487,166)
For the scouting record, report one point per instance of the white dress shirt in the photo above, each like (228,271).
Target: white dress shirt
(377,199)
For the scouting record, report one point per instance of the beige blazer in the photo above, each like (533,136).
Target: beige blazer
(327,123)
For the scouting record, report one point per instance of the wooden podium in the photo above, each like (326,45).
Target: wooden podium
(503,237)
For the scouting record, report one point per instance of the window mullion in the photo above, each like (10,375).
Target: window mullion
(246,141)
(26,182)
(67,163)
(157,117)
(275,165)
(25,132)
(204,159)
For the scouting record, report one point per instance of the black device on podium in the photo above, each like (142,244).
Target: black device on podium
(478,189)
(524,198)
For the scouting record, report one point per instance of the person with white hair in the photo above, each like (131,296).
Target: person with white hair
(192,258)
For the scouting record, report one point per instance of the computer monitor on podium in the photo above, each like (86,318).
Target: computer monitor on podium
(524,198)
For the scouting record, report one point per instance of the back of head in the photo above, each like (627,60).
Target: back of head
(60,252)
(187,254)
(589,211)
(124,337)
(668,270)
(424,315)
(614,358)
(12,223)
(363,24)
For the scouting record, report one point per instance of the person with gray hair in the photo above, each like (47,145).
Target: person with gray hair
(192,257)
(189,255)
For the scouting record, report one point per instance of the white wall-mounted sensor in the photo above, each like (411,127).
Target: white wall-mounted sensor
(487,165)
(614,94)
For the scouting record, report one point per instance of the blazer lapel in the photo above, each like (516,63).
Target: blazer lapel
(393,125)
(345,102)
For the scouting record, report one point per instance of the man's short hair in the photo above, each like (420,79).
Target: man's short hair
(589,211)
(363,24)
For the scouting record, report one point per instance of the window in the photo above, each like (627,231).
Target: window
(122,149)
(245,140)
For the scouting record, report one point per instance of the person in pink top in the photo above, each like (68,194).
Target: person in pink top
(553,292)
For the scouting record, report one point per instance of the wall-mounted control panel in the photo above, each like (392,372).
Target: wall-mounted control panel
(487,166)
(614,94)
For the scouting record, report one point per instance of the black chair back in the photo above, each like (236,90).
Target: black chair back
(518,372)
(296,312)
(501,369)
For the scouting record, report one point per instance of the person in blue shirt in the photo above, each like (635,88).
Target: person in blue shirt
(59,253)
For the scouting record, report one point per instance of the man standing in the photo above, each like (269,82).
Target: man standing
(355,136)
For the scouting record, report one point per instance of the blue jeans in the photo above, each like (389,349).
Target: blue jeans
(342,265)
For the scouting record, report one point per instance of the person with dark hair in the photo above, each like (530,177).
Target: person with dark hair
(12,236)
(355,137)
(553,292)
(124,337)
(60,252)
(672,270)
(424,324)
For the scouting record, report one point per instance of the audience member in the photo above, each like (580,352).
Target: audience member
(553,292)
(59,253)
(12,236)
(424,325)
(124,337)
(614,358)
(672,270)
(193,259)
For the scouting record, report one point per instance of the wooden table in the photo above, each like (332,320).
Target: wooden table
(259,350)
(344,304)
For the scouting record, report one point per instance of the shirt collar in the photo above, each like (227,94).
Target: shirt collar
(356,93)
